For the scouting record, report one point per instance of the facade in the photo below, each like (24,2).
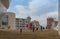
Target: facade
(34,24)
(22,23)
(7,20)
(30,26)
(49,22)
(54,24)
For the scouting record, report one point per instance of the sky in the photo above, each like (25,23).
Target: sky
(38,10)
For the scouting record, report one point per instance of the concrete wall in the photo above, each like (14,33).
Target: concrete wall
(11,21)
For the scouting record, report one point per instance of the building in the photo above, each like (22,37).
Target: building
(49,22)
(54,24)
(30,26)
(22,23)
(35,24)
(7,20)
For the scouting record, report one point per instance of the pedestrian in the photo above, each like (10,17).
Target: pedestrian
(36,28)
(46,27)
(41,28)
(20,30)
(33,28)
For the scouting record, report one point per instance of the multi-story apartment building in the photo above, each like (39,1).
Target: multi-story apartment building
(22,23)
(54,24)
(49,22)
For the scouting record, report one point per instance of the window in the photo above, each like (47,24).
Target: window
(5,20)
(17,26)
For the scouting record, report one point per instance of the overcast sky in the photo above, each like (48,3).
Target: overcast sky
(37,9)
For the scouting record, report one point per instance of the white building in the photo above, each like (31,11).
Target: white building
(22,23)
(54,24)
(35,24)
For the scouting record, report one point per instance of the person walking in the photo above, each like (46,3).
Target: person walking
(41,28)
(21,30)
(36,28)
(33,28)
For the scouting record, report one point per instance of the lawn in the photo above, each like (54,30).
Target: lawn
(47,34)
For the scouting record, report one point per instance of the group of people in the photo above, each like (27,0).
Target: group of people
(35,28)
(42,28)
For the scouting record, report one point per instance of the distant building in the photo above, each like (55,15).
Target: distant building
(30,26)
(49,22)
(22,23)
(54,24)
(7,20)
(35,24)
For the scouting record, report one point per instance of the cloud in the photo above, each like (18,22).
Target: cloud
(21,11)
(37,9)
(43,18)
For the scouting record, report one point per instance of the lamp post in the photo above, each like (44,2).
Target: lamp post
(59,17)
